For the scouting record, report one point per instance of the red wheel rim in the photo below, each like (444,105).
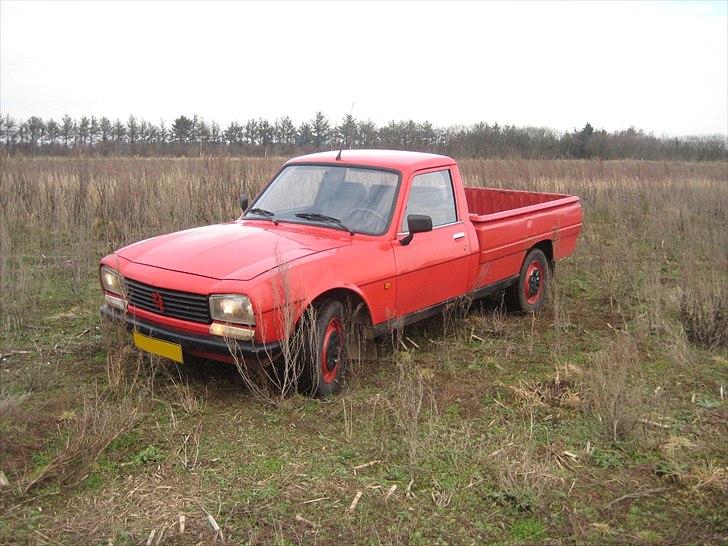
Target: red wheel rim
(331,352)
(533,282)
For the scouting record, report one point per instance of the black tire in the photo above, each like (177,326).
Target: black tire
(530,292)
(326,355)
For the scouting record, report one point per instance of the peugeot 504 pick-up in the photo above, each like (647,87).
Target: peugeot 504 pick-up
(391,236)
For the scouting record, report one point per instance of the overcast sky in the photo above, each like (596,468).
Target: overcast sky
(662,67)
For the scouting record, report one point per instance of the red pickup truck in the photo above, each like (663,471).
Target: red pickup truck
(394,235)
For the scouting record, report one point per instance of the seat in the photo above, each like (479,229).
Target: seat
(342,198)
(380,198)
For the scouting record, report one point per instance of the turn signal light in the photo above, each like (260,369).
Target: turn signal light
(115,301)
(228,330)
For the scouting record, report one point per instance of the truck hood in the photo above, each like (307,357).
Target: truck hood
(233,251)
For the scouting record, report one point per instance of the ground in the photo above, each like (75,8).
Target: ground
(602,420)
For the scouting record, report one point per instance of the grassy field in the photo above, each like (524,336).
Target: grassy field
(605,420)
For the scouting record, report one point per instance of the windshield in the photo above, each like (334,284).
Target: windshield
(359,199)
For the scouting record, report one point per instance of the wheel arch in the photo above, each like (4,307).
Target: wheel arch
(547,247)
(346,295)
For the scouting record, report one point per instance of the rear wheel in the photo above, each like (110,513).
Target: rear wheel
(528,294)
(326,351)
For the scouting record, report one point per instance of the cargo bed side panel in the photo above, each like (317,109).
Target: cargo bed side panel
(505,237)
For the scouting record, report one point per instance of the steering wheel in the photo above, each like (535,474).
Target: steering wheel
(371,212)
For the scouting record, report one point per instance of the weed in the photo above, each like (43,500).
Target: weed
(704,314)
(611,393)
(607,458)
(150,454)
(412,397)
(185,397)
(528,530)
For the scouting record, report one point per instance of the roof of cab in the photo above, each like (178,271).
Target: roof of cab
(390,159)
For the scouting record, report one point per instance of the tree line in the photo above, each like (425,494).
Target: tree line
(191,136)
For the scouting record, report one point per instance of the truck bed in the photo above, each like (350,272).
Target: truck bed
(489,203)
(509,222)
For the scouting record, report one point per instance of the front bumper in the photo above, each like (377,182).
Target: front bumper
(191,342)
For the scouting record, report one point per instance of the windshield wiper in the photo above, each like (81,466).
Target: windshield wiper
(264,213)
(324,218)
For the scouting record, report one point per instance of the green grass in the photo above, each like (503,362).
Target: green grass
(528,531)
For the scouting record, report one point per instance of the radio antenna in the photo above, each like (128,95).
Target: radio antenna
(344,136)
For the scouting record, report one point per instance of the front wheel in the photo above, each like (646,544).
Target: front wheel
(528,294)
(326,352)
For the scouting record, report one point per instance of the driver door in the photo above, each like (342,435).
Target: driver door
(433,268)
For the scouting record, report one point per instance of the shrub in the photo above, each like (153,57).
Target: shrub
(704,316)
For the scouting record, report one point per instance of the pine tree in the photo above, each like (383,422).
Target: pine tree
(68,130)
(320,128)
(182,129)
(118,132)
(35,128)
(53,131)
(82,132)
(105,129)
(305,135)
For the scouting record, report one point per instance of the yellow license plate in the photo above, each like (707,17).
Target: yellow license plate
(159,347)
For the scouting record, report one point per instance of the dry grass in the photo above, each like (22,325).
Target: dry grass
(481,412)
(412,404)
(10,404)
(522,476)
(611,389)
(704,313)
(99,422)
(674,212)
(77,209)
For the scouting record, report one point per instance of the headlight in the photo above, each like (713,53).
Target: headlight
(111,281)
(231,308)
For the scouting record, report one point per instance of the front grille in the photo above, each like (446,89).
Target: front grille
(181,305)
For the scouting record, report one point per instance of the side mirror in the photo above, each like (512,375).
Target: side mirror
(244,202)
(416,223)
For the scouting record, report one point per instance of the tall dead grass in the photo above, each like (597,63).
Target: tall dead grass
(649,226)
(10,403)
(704,313)
(413,407)
(651,263)
(59,215)
(611,389)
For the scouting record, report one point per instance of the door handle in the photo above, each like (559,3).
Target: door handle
(458,235)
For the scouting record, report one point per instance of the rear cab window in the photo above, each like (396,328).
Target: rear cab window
(431,194)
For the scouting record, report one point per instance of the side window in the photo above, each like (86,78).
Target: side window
(431,194)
